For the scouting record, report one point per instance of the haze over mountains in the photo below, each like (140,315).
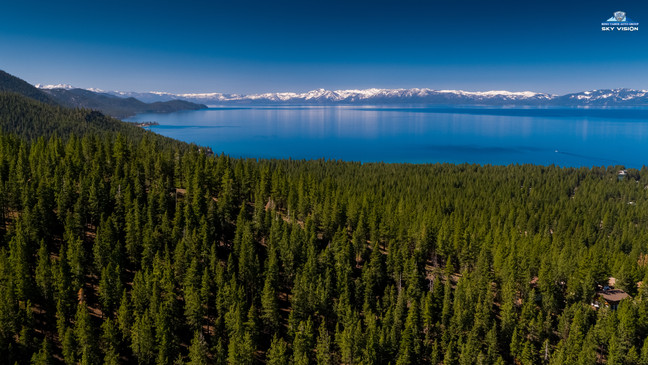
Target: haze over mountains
(607,97)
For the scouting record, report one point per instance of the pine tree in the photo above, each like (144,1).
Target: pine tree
(323,347)
(644,353)
(350,342)
(269,295)
(77,261)
(69,347)
(248,260)
(303,343)
(85,336)
(142,339)
(110,287)
(43,272)
(198,350)
(241,347)
(19,254)
(278,352)
(124,316)
(43,357)
(111,341)
(194,310)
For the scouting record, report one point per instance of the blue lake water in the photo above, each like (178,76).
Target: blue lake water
(484,135)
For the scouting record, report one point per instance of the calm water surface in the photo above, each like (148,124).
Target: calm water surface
(501,136)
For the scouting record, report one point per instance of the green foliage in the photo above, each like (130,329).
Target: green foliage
(198,350)
(10,83)
(43,356)
(278,352)
(115,106)
(130,247)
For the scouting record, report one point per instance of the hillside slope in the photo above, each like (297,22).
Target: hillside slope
(31,119)
(116,106)
(10,83)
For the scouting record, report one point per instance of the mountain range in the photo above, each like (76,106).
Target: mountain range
(113,105)
(606,97)
(116,106)
(10,83)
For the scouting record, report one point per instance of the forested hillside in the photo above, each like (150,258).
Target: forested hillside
(116,106)
(118,245)
(10,83)
(79,99)
(32,119)
(118,249)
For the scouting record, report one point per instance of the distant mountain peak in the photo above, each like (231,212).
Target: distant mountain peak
(95,90)
(321,96)
(57,86)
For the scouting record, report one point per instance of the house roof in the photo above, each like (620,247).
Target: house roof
(613,295)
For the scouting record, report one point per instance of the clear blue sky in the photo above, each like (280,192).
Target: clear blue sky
(258,46)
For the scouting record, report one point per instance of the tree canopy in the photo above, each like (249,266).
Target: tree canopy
(117,245)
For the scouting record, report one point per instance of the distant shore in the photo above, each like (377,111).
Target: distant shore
(146,124)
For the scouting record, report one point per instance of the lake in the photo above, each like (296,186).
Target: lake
(483,135)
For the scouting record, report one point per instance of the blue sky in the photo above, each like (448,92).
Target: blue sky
(258,46)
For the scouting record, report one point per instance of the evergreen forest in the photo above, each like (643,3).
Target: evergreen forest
(119,246)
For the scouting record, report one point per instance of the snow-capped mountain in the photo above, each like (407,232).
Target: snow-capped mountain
(366,96)
(605,97)
(396,96)
(57,86)
(153,96)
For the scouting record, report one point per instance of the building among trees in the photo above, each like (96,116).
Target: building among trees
(608,296)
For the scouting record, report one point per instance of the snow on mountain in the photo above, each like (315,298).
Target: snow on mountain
(369,95)
(493,93)
(605,97)
(395,96)
(323,96)
(57,86)
(95,90)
